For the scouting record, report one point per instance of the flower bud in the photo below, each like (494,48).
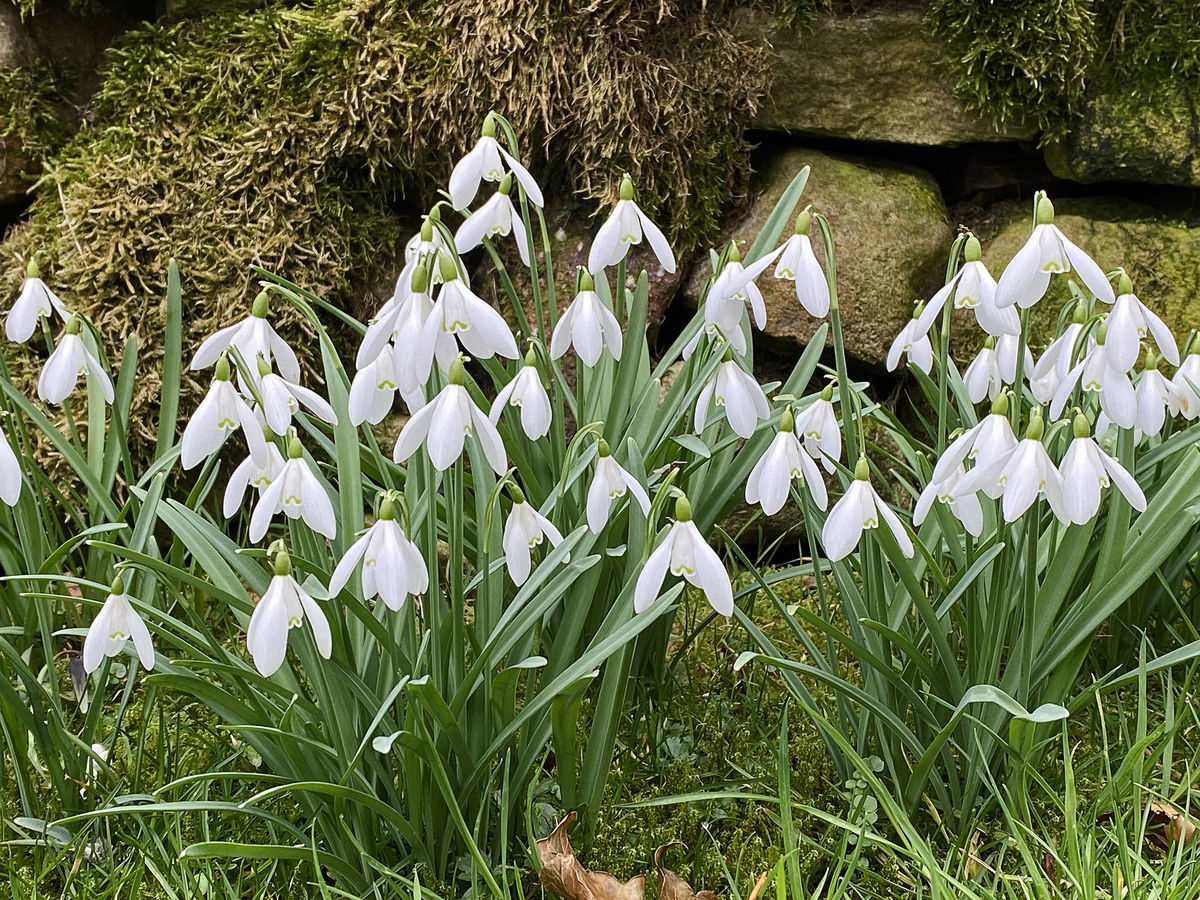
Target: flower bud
(972,252)
(1045,211)
(683,509)
(283,563)
(259,308)
(626,188)
(862,469)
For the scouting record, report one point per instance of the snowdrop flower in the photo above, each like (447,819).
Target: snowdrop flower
(458,312)
(220,412)
(587,325)
(298,494)
(798,263)
(1096,374)
(818,426)
(725,303)
(253,472)
(528,394)
(373,389)
(70,360)
(860,508)
(116,623)
(965,507)
(784,460)
(392,567)
(1047,252)
(35,301)
(283,607)
(1187,384)
(1020,476)
(10,473)
(524,529)
(1130,321)
(914,343)
(973,288)
(686,554)
(1086,469)
(486,162)
(627,225)
(994,367)
(737,393)
(252,337)
(1155,396)
(610,483)
(443,424)
(991,439)
(400,321)
(496,217)
(281,399)
(1056,363)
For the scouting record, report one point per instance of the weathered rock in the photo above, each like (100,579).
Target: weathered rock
(1159,248)
(879,75)
(891,238)
(1122,136)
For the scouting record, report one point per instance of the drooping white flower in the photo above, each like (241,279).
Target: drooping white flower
(1086,469)
(587,325)
(486,162)
(726,301)
(252,472)
(70,361)
(373,389)
(524,529)
(1096,374)
(116,623)
(458,312)
(798,263)
(994,366)
(737,394)
(610,483)
(1187,385)
(817,424)
(284,606)
(965,507)
(1128,322)
(252,337)
(1047,252)
(1155,396)
(281,399)
(496,217)
(991,439)
(626,226)
(860,508)
(527,393)
(392,567)
(783,461)
(222,411)
(443,424)
(686,554)
(298,494)
(973,288)
(1056,362)
(10,473)
(914,343)
(35,301)
(1019,477)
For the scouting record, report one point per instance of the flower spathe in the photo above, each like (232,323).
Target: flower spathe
(783,461)
(610,483)
(486,162)
(392,566)
(626,226)
(70,361)
(442,426)
(587,325)
(858,510)
(524,529)
(222,411)
(36,301)
(298,494)
(527,393)
(1086,470)
(284,606)
(737,394)
(684,553)
(1047,252)
(116,623)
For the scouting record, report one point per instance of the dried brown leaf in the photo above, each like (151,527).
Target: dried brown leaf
(564,875)
(671,886)
(1167,825)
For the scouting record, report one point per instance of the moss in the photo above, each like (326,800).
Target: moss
(32,104)
(288,137)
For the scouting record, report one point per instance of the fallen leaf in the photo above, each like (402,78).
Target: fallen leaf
(564,875)
(1169,826)
(671,886)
